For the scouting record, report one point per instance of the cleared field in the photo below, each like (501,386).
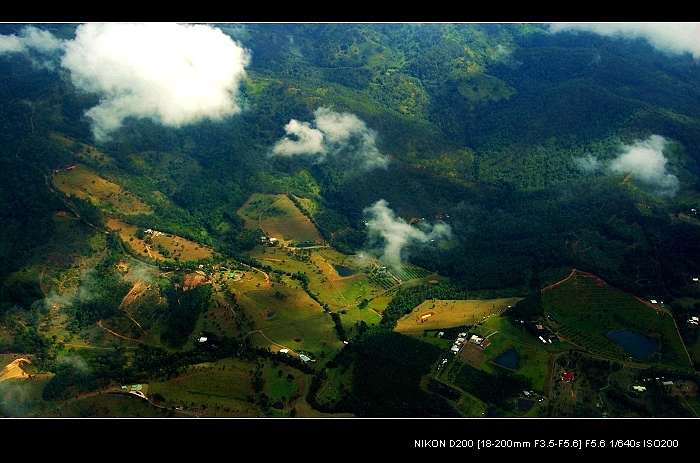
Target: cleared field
(14,370)
(157,245)
(586,308)
(432,314)
(315,335)
(222,388)
(279,218)
(85,184)
(87,153)
(279,304)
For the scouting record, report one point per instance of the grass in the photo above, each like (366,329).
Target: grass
(279,218)
(585,308)
(159,246)
(274,311)
(222,388)
(451,313)
(109,196)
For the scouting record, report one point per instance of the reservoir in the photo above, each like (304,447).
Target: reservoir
(639,346)
(508,359)
(344,271)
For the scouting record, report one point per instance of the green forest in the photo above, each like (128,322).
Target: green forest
(491,158)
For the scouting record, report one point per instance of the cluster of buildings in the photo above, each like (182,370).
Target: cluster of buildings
(462,339)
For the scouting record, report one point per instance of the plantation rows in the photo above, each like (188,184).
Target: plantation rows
(592,343)
(396,275)
(409,272)
(383,281)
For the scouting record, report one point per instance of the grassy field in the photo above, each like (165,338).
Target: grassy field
(274,310)
(585,308)
(279,218)
(450,313)
(222,388)
(112,198)
(157,245)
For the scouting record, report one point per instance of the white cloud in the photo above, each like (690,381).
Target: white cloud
(587,163)
(175,74)
(301,138)
(338,135)
(669,37)
(646,162)
(38,45)
(391,234)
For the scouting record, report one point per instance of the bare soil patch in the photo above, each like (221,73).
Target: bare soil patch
(13,370)
(472,355)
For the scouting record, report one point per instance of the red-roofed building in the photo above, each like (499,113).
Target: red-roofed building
(568,376)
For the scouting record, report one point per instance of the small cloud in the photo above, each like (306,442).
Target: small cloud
(389,234)
(646,162)
(587,163)
(301,138)
(341,136)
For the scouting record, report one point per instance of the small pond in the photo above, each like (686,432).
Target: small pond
(525,405)
(508,359)
(639,346)
(344,271)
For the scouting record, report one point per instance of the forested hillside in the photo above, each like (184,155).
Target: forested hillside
(497,156)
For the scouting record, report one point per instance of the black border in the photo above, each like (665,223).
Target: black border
(347,438)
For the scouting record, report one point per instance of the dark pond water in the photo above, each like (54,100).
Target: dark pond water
(525,405)
(508,359)
(344,271)
(639,346)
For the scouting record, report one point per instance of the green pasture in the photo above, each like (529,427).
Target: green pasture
(281,381)
(585,309)
(285,386)
(352,317)
(254,207)
(693,404)
(224,386)
(316,335)
(280,218)
(585,302)
(246,281)
(84,183)
(22,398)
(534,357)
(286,222)
(337,380)
(278,304)
(379,304)
(468,405)
(107,405)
